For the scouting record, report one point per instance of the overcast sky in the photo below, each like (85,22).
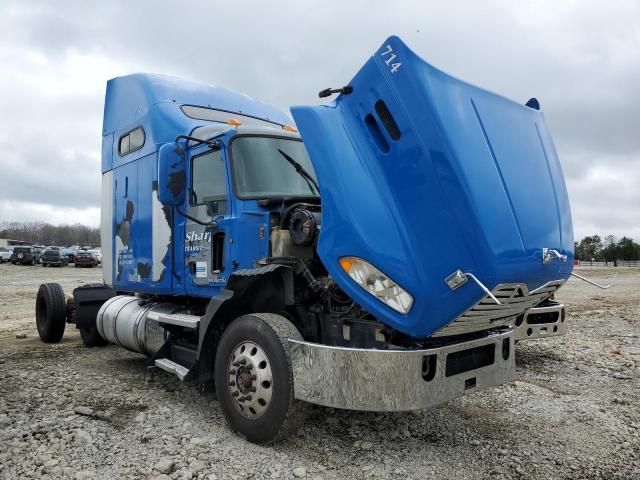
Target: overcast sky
(581,59)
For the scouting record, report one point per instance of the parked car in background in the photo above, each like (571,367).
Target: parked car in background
(55,258)
(5,254)
(83,258)
(70,252)
(98,255)
(25,256)
(40,249)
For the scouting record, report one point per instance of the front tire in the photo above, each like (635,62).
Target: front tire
(254,378)
(51,312)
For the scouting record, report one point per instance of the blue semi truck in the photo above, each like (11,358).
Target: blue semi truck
(384,255)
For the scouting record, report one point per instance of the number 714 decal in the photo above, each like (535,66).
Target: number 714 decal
(389,56)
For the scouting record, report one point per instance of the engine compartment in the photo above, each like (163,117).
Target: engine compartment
(323,312)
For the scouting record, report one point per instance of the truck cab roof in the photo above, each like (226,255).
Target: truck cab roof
(143,110)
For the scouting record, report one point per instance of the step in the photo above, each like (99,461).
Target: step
(179,319)
(172,367)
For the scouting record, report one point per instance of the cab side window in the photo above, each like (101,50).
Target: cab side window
(131,141)
(208,181)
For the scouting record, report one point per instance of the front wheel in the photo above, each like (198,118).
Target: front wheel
(254,378)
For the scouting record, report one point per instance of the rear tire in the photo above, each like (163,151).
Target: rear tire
(91,337)
(51,312)
(265,336)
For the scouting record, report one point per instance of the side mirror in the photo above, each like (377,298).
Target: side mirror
(172,177)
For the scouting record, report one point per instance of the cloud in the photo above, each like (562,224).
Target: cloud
(606,198)
(22,211)
(580,59)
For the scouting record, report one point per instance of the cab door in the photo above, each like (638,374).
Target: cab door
(207,247)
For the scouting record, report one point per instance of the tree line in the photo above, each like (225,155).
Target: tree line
(610,249)
(591,247)
(40,233)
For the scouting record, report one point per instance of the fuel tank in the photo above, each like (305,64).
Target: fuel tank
(422,175)
(124,320)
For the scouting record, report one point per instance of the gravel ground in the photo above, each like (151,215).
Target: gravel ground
(71,412)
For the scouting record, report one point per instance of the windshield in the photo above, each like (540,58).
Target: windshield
(261,171)
(22,250)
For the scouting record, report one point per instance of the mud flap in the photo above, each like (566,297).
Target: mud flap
(88,299)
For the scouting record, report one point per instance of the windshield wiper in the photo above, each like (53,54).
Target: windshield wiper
(301,170)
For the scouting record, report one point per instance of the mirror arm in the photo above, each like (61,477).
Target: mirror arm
(199,222)
(603,287)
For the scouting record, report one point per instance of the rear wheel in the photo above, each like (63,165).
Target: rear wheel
(254,378)
(51,312)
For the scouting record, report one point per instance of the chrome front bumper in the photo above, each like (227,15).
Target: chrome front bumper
(397,380)
(541,322)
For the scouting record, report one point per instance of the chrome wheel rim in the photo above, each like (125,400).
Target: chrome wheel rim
(250,380)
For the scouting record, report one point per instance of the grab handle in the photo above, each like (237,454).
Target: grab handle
(549,254)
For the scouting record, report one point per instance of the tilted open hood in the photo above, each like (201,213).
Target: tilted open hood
(422,174)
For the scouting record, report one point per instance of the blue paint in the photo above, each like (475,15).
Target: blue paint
(473,182)
(153,102)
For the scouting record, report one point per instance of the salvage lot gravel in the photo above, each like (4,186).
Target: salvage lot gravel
(71,412)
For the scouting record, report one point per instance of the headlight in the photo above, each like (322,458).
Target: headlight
(377,283)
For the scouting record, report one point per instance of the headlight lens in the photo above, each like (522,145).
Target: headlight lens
(377,283)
